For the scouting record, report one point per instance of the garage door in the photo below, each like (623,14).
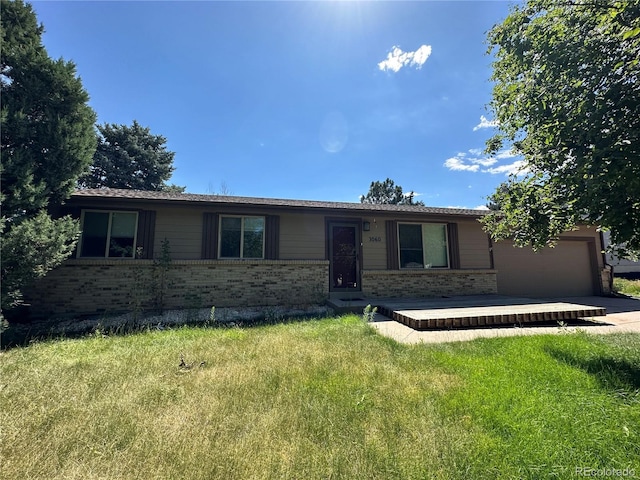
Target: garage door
(552,272)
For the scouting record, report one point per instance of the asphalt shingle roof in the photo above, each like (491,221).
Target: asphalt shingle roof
(116,193)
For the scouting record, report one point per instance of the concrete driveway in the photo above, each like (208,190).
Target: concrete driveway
(623,315)
(620,310)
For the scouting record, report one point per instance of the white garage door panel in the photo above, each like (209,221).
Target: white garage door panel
(561,271)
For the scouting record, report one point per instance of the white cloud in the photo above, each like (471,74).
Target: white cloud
(462,162)
(458,164)
(485,162)
(421,55)
(396,58)
(471,162)
(460,207)
(485,123)
(512,168)
(503,154)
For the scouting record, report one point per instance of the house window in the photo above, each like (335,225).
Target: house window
(423,245)
(108,234)
(242,237)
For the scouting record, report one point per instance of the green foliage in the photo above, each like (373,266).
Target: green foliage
(138,290)
(369,313)
(130,157)
(530,213)
(388,193)
(150,283)
(627,287)
(161,269)
(173,188)
(47,127)
(47,142)
(567,99)
(31,249)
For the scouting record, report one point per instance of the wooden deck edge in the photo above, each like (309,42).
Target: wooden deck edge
(490,320)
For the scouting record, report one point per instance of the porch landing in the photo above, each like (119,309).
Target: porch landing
(470,311)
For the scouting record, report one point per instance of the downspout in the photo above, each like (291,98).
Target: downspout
(606,269)
(491,261)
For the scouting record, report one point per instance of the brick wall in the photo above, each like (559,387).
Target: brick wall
(428,282)
(104,286)
(108,286)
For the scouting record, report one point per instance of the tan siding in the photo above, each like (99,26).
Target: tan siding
(183,228)
(582,231)
(474,245)
(302,237)
(473,241)
(374,245)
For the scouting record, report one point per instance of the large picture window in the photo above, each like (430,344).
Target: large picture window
(108,234)
(423,245)
(242,237)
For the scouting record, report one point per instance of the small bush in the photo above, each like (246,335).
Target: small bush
(369,313)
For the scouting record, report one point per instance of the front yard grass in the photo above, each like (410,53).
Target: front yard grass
(627,287)
(318,399)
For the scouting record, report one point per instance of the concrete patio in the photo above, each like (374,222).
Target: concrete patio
(591,314)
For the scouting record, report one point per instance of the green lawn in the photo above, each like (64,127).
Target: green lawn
(318,399)
(627,287)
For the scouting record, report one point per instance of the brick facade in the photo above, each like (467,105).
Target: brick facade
(112,286)
(428,283)
(108,286)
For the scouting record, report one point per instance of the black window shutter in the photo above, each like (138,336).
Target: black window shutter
(454,246)
(393,262)
(146,232)
(272,237)
(209,235)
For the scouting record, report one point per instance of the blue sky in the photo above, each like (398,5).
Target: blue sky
(304,100)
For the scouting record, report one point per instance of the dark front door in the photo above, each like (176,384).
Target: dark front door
(344,245)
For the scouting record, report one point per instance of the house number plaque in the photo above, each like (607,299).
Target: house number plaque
(375,239)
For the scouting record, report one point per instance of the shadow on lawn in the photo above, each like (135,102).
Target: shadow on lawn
(619,375)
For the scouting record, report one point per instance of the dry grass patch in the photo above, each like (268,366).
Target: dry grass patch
(318,399)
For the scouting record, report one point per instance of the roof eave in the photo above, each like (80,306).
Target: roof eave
(105,195)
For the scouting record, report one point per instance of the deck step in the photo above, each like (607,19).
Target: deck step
(481,316)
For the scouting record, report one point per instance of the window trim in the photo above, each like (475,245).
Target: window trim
(242,217)
(106,250)
(446,247)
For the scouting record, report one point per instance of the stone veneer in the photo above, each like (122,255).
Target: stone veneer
(428,283)
(110,286)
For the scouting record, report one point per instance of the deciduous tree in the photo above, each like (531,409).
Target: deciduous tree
(567,98)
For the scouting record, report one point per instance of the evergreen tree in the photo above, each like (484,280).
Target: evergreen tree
(47,141)
(130,157)
(388,192)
